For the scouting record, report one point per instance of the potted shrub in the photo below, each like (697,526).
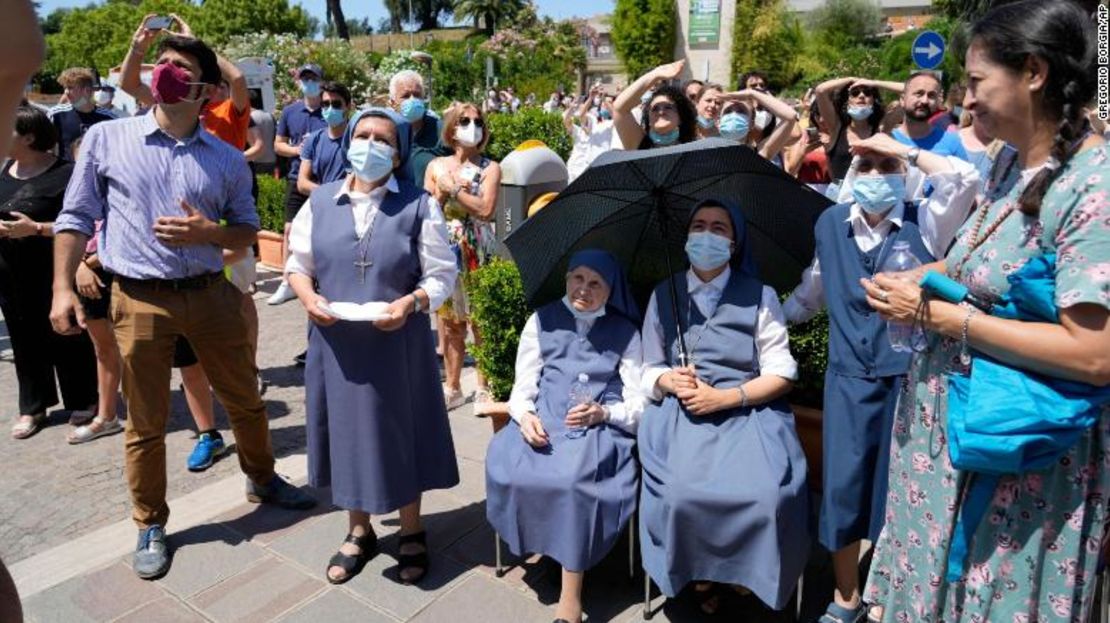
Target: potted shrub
(809,343)
(499,310)
(271,214)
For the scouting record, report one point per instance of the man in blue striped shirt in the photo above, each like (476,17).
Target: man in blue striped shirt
(161,185)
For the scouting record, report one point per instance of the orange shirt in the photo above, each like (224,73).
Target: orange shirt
(225,122)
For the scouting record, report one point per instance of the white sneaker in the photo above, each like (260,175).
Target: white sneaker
(283,294)
(453,398)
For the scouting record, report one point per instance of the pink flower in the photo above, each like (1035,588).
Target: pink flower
(1061,605)
(922,464)
(1021,617)
(979,576)
(1099,273)
(1034,483)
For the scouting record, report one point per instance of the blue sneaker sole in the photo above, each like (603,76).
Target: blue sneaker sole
(211,461)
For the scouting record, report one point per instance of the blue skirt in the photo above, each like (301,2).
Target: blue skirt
(724,499)
(569,501)
(376,425)
(857,423)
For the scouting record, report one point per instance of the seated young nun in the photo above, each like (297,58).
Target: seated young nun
(376,424)
(724,479)
(561,480)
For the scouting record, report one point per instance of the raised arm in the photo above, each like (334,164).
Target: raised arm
(824,97)
(130,78)
(629,131)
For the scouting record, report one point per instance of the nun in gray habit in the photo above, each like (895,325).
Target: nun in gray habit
(376,424)
(561,479)
(723,496)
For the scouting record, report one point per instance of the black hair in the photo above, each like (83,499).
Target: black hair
(878,111)
(687,115)
(256,99)
(336,88)
(743,82)
(31,120)
(1061,35)
(205,57)
(686,85)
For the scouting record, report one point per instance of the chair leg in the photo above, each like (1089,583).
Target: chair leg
(1105,616)
(800,590)
(632,548)
(647,596)
(498,570)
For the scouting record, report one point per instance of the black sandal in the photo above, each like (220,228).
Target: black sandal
(352,565)
(413,561)
(708,598)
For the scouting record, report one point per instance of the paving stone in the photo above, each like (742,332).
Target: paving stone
(480,599)
(336,606)
(262,524)
(206,555)
(477,550)
(261,592)
(312,545)
(380,584)
(165,610)
(98,596)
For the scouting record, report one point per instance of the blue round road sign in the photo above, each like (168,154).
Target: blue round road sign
(928,50)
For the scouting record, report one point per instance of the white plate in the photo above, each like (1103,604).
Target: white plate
(366,312)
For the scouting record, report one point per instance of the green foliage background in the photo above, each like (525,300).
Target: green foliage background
(271,203)
(643,34)
(499,311)
(508,131)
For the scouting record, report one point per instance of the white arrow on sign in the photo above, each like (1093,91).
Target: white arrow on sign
(931,51)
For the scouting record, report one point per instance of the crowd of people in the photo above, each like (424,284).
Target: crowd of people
(125,251)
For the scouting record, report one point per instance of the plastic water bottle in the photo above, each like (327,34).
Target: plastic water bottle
(902,336)
(579,395)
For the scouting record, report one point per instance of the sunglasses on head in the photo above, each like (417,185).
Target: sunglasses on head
(465,121)
(662,107)
(336,104)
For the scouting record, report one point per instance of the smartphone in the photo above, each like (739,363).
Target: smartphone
(811,133)
(158,22)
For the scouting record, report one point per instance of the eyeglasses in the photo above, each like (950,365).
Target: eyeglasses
(336,104)
(465,121)
(662,107)
(885,166)
(858,91)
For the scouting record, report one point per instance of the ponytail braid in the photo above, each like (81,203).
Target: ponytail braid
(1069,134)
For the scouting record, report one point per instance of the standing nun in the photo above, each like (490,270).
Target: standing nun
(865,374)
(724,478)
(562,480)
(377,428)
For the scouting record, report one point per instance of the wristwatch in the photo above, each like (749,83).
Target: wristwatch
(415,303)
(912,154)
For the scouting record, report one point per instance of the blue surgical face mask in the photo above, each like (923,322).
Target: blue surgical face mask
(662,140)
(734,126)
(370,161)
(334,116)
(707,250)
(958,111)
(876,194)
(605,114)
(311,88)
(705,123)
(859,113)
(413,109)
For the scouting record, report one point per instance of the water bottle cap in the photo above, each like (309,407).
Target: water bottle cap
(583,378)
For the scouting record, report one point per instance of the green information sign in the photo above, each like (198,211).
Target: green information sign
(705,22)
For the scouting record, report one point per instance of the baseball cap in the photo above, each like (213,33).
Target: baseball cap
(310,67)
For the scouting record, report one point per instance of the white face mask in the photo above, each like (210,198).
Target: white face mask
(469,136)
(102,98)
(762,119)
(583,315)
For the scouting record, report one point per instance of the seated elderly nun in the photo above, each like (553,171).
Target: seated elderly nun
(723,496)
(561,479)
(376,423)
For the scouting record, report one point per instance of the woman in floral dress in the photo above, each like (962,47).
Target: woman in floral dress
(466,184)
(1033,557)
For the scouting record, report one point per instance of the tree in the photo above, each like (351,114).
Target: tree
(643,34)
(845,23)
(218,20)
(338,22)
(493,12)
(425,13)
(768,38)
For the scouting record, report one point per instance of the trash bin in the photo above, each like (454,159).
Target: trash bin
(531,170)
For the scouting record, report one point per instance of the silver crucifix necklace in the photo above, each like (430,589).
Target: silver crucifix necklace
(361,264)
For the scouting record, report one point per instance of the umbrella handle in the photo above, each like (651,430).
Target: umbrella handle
(661,213)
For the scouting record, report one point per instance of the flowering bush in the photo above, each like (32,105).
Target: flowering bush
(395,62)
(339,61)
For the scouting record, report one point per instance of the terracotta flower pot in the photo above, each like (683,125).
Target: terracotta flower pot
(808,423)
(271,249)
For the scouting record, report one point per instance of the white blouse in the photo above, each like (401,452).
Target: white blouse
(771,340)
(939,219)
(529,364)
(437,261)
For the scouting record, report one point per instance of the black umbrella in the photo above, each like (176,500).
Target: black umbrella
(636,204)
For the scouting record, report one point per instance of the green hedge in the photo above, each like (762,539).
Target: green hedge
(499,310)
(271,203)
(509,130)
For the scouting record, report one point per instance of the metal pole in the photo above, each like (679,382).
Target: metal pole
(412,45)
(661,214)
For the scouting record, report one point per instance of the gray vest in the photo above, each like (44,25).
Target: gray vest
(858,342)
(565,355)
